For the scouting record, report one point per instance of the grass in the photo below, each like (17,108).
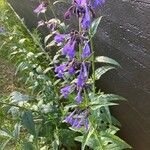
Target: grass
(14,32)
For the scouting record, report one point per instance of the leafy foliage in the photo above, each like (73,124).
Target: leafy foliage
(37,113)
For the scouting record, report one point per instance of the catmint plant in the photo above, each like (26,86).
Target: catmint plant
(85,110)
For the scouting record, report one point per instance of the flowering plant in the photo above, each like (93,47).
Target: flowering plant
(86,109)
(64,109)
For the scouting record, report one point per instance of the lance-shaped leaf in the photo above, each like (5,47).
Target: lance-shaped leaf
(95,106)
(86,139)
(27,146)
(94,26)
(104,59)
(109,97)
(6,133)
(114,142)
(102,70)
(27,120)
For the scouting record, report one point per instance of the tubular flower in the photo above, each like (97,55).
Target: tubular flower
(60,70)
(82,77)
(40,9)
(86,51)
(86,19)
(68,49)
(59,38)
(98,2)
(78,118)
(79,97)
(41,23)
(65,91)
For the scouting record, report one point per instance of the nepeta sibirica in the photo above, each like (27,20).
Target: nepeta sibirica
(41,8)
(78,118)
(83,9)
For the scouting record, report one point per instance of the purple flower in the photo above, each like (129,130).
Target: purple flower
(67,15)
(68,49)
(98,2)
(59,38)
(71,70)
(85,73)
(65,91)
(86,20)
(75,122)
(41,23)
(40,9)
(69,119)
(79,123)
(60,70)
(82,77)
(78,97)
(86,51)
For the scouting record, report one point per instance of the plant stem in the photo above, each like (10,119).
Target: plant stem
(93,64)
(52,9)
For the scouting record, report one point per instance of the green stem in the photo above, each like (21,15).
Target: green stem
(93,64)
(52,9)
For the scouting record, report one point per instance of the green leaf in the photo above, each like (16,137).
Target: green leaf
(48,37)
(94,26)
(102,104)
(18,97)
(114,142)
(86,138)
(102,70)
(6,133)
(16,131)
(27,146)
(104,59)
(27,120)
(109,97)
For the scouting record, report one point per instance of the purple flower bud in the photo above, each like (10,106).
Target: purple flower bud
(41,23)
(68,49)
(59,38)
(79,123)
(40,9)
(65,91)
(75,122)
(85,73)
(86,51)
(78,97)
(86,20)
(83,76)
(60,70)
(80,80)
(98,2)
(69,118)
(67,15)
(71,70)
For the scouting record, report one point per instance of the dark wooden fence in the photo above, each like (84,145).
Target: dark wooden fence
(124,35)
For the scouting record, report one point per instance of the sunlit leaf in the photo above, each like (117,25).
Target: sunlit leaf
(18,97)
(94,26)
(102,70)
(104,59)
